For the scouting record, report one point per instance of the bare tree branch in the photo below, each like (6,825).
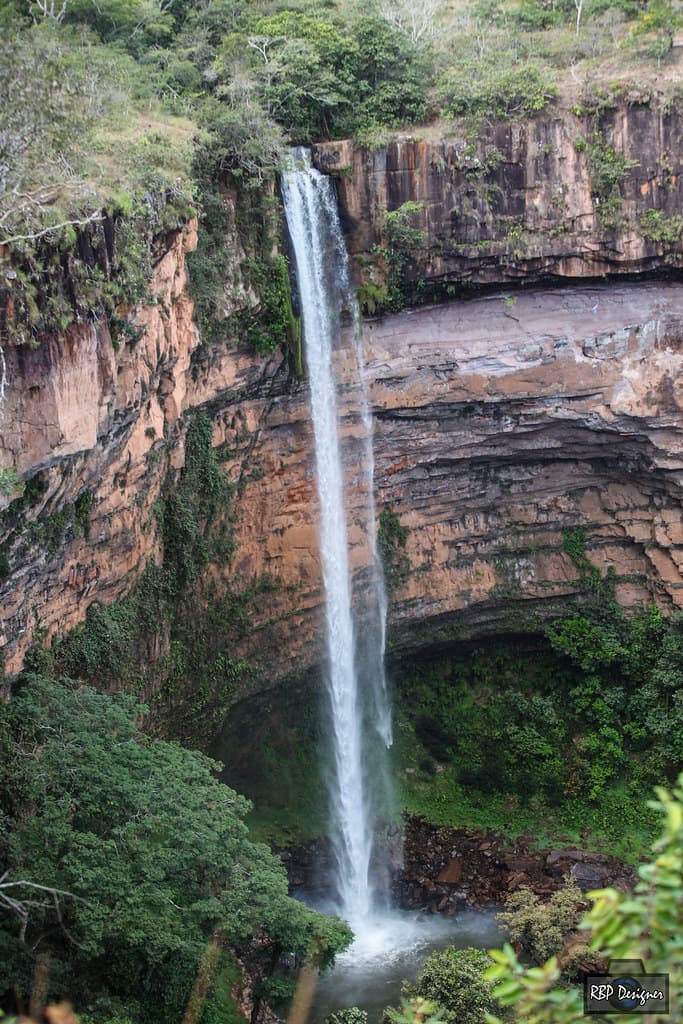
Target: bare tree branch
(78,222)
(261,45)
(414,17)
(20,908)
(42,888)
(578,4)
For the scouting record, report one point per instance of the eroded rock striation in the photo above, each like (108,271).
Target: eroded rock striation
(500,425)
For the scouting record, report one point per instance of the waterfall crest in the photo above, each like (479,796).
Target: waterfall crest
(359,709)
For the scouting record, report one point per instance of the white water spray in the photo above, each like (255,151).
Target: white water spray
(3,376)
(360,716)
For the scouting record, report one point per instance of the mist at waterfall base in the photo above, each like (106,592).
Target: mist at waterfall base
(389,945)
(372,978)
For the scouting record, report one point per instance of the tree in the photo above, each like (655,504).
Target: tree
(320,78)
(52,9)
(414,17)
(305,68)
(658,22)
(46,109)
(578,4)
(541,928)
(135,24)
(124,857)
(453,984)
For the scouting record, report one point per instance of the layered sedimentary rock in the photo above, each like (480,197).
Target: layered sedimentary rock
(498,427)
(499,423)
(561,196)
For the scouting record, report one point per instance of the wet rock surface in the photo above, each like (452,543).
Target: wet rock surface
(309,865)
(446,869)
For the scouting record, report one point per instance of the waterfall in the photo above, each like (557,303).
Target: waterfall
(359,711)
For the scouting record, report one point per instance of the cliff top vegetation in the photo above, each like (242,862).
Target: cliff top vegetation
(104,104)
(119,122)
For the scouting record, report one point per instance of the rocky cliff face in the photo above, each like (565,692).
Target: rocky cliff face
(498,426)
(82,416)
(499,423)
(562,196)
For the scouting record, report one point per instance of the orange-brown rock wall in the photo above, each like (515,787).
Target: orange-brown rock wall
(499,422)
(512,424)
(81,413)
(496,427)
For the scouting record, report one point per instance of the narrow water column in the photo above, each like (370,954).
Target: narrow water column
(323,282)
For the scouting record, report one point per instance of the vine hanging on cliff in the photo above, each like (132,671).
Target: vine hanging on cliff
(392,537)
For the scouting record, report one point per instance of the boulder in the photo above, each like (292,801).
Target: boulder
(452,873)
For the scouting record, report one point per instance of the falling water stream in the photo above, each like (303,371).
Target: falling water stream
(360,718)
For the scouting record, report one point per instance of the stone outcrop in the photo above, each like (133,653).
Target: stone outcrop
(497,426)
(447,869)
(522,201)
(499,423)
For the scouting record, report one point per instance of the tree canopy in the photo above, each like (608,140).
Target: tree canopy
(124,855)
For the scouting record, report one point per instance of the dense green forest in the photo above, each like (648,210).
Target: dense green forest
(552,738)
(123,857)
